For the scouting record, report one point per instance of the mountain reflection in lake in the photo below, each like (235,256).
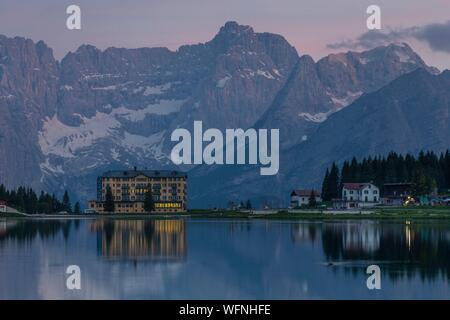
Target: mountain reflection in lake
(223,259)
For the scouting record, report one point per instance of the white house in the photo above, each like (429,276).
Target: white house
(301,197)
(356,195)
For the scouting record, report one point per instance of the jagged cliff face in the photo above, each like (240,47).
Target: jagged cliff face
(316,90)
(64,123)
(28,86)
(114,108)
(410,114)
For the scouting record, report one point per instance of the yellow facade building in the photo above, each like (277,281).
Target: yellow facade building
(168,188)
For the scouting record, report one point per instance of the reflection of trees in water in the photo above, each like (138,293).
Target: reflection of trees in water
(239,226)
(400,250)
(25,231)
(141,239)
(304,232)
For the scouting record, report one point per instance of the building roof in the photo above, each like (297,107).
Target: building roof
(400,184)
(398,189)
(147,173)
(305,192)
(356,186)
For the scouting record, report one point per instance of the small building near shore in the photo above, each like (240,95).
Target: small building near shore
(301,197)
(397,194)
(357,195)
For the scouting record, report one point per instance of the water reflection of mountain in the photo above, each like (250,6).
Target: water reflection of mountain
(141,239)
(24,231)
(401,249)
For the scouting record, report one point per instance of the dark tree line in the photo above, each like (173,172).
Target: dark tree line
(26,230)
(26,200)
(427,171)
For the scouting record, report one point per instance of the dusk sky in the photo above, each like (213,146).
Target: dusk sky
(315,27)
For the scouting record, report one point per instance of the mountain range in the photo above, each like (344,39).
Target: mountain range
(64,122)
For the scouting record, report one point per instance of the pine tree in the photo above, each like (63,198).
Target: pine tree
(420,183)
(446,169)
(353,171)
(76,208)
(66,202)
(248,205)
(3,193)
(333,182)
(312,199)
(109,200)
(345,174)
(325,185)
(20,198)
(149,204)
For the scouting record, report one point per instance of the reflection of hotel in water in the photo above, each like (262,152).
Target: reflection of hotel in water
(141,239)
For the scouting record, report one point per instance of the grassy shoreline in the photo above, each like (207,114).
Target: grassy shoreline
(410,213)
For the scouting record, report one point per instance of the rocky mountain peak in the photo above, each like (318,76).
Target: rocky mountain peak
(314,91)
(234,28)
(233,35)
(236,39)
(99,109)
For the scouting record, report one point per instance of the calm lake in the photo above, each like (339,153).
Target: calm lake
(224,259)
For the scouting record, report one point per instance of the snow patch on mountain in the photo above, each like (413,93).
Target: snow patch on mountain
(115,154)
(95,76)
(156,90)
(277,72)
(63,140)
(141,144)
(249,73)
(318,117)
(364,60)
(60,139)
(163,107)
(66,87)
(113,87)
(266,74)
(223,81)
(404,58)
(48,168)
(8,96)
(342,102)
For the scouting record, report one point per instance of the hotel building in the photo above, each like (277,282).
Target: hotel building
(129,188)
